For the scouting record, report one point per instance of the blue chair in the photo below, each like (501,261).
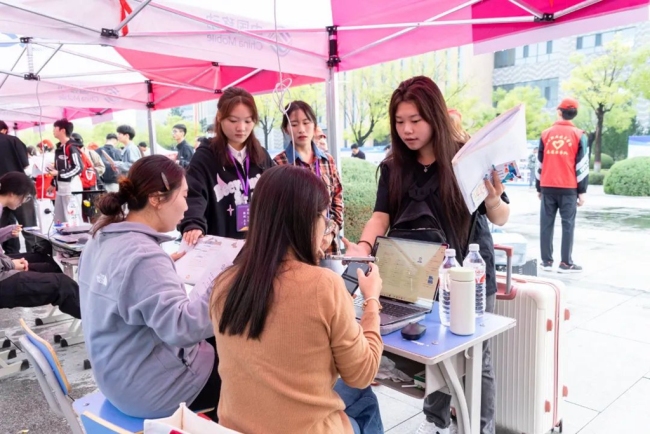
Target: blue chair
(97,414)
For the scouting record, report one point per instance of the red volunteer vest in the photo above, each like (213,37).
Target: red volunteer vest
(561,145)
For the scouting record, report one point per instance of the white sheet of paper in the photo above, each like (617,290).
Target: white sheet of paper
(211,256)
(502,140)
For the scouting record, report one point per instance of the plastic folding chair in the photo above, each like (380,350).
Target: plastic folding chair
(98,415)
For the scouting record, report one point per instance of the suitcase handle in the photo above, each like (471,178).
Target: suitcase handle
(509,252)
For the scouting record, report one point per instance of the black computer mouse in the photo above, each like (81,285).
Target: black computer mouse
(413,331)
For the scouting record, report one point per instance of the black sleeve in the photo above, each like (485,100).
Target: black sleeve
(382,203)
(582,164)
(21,152)
(200,187)
(540,161)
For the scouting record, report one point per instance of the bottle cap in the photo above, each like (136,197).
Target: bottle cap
(474,247)
(450,252)
(462,274)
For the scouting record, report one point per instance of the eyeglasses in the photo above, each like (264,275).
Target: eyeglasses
(329,224)
(26,199)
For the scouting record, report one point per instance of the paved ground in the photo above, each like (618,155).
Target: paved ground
(608,345)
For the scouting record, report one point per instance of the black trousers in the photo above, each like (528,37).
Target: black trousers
(24,215)
(209,396)
(567,204)
(43,284)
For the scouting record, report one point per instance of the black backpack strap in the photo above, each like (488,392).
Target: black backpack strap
(472,229)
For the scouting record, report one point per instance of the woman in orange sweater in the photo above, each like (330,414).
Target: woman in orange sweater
(286,329)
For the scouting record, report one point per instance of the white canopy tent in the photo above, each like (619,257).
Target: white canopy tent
(314,38)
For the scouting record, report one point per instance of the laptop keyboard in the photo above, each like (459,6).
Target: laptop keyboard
(394,310)
(397,311)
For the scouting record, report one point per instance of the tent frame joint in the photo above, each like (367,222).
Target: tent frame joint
(218,91)
(333,59)
(215,64)
(151,105)
(31,76)
(545,18)
(26,40)
(110,33)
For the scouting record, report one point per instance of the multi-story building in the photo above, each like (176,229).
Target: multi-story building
(546,65)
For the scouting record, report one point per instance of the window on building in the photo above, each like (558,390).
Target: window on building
(591,43)
(505,58)
(549,89)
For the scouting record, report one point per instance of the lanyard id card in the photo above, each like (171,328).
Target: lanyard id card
(242,211)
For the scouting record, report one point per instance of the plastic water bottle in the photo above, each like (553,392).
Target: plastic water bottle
(475,261)
(73,213)
(443,276)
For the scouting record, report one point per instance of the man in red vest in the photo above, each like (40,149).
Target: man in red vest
(562,178)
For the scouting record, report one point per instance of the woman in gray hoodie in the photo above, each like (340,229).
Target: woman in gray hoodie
(145,336)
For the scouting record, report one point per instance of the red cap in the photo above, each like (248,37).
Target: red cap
(569,103)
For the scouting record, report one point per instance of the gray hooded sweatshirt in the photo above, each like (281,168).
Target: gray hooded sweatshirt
(144,335)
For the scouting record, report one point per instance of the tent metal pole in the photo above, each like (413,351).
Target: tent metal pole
(242,79)
(152,144)
(150,107)
(49,58)
(473,21)
(190,81)
(576,8)
(531,10)
(132,15)
(49,17)
(14,65)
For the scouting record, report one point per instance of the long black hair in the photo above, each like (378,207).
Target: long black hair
(426,96)
(283,218)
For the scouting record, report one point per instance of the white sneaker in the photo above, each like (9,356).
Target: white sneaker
(431,428)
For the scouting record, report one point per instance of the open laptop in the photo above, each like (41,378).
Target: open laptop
(409,272)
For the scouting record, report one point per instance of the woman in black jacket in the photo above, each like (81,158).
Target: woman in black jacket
(222,176)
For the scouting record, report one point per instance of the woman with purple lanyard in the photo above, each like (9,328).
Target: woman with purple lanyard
(223,173)
(300,123)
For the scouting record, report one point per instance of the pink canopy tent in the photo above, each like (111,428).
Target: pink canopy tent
(313,38)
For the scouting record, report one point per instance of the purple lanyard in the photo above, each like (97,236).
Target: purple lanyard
(243,179)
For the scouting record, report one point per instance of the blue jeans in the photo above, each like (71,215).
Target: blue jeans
(362,408)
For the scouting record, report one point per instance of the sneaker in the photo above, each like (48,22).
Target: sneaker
(566,268)
(546,265)
(431,428)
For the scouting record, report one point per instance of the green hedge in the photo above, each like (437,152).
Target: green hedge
(606,162)
(359,193)
(597,178)
(629,177)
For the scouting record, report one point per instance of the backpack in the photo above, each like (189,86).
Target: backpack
(88,174)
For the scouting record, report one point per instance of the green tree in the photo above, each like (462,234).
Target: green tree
(615,141)
(605,84)
(312,94)
(365,103)
(537,118)
(177,112)
(475,113)
(100,131)
(269,114)
(203,124)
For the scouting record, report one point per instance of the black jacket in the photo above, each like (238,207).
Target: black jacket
(67,161)
(14,154)
(110,176)
(185,153)
(214,193)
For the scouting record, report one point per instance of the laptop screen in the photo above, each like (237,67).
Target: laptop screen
(409,269)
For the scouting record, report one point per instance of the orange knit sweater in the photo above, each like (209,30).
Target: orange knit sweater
(283,382)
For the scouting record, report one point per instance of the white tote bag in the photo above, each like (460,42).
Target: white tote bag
(184,421)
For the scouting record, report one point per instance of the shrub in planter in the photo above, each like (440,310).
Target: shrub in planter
(629,177)
(359,194)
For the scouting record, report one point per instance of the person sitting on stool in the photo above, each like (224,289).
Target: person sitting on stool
(30,279)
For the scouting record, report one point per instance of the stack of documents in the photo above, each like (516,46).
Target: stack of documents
(498,145)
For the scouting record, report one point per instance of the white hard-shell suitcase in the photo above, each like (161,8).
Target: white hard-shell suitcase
(529,359)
